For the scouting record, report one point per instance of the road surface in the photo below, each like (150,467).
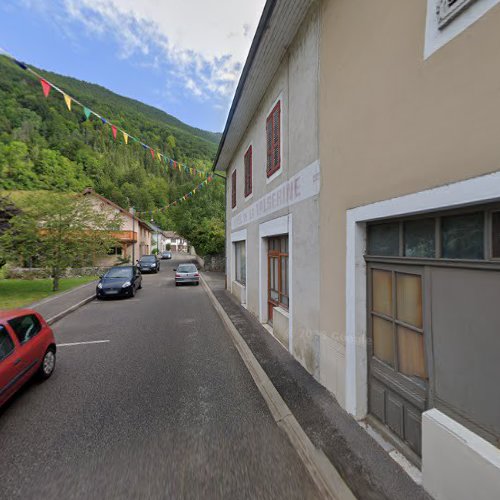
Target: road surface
(164,408)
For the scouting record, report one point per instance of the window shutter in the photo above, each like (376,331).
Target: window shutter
(233,190)
(276,133)
(248,171)
(273,131)
(269,133)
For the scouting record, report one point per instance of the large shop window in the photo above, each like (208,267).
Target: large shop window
(273,139)
(454,236)
(248,172)
(278,273)
(240,262)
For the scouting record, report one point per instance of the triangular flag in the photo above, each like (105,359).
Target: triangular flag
(151,150)
(67,100)
(125,137)
(45,87)
(103,120)
(113,129)
(158,155)
(86,112)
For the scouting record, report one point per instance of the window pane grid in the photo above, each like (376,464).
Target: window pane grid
(278,271)
(394,341)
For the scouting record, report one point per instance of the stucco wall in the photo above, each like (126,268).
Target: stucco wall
(392,123)
(296,84)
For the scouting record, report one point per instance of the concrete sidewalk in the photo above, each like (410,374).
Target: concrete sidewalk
(56,307)
(364,465)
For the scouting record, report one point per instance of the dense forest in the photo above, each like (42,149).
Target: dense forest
(43,146)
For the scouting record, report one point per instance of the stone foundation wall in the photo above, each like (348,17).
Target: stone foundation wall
(39,273)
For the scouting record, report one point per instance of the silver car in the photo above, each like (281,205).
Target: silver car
(187,273)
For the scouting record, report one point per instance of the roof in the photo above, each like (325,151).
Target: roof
(277,28)
(90,191)
(7,314)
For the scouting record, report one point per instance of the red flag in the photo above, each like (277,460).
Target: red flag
(152,153)
(113,129)
(45,87)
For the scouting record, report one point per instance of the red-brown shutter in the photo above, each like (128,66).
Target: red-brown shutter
(248,172)
(276,137)
(233,190)
(269,136)
(273,133)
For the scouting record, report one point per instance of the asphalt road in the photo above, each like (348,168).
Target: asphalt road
(165,409)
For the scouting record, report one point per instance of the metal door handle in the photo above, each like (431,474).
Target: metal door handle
(17,361)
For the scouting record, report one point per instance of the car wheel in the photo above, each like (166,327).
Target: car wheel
(48,363)
(140,286)
(132,292)
(197,283)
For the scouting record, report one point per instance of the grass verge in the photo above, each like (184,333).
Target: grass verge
(20,293)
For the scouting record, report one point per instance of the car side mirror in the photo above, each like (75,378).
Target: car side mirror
(175,269)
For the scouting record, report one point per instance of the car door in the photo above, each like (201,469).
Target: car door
(11,364)
(27,329)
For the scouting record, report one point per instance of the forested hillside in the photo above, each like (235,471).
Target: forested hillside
(45,146)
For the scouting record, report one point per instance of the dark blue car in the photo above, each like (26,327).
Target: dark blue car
(120,281)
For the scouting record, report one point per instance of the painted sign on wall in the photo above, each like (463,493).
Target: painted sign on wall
(300,187)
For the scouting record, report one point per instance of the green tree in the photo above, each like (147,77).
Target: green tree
(58,230)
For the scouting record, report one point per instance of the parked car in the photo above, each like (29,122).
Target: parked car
(187,273)
(27,347)
(119,281)
(149,264)
(166,255)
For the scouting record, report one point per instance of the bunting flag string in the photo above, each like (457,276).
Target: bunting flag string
(179,200)
(46,88)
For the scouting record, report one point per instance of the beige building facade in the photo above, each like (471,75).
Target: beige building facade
(133,239)
(393,253)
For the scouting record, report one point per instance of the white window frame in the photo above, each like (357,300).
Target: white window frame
(276,227)
(481,189)
(436,37)
(236,237)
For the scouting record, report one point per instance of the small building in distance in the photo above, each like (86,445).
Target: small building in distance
(177,243)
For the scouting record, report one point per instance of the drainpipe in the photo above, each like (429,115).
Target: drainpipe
(133,235)
(225,216)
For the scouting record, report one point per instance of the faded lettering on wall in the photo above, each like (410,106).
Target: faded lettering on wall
(301,186)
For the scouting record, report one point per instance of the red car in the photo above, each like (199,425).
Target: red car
(27,347)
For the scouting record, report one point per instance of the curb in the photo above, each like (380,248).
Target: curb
(69,310)
(326,478)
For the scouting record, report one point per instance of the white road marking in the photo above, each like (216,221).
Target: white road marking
(82,343)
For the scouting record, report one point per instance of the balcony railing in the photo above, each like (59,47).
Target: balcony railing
(126,236)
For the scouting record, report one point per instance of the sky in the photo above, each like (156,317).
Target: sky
(182,56)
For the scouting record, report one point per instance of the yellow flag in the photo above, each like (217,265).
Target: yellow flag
(158,155)
(67,100)
(125,137)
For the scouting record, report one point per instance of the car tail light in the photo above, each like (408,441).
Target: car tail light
(196,275)
(177,275)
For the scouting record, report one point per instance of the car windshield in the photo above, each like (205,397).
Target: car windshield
(187,268)
(148,258)
(119,272)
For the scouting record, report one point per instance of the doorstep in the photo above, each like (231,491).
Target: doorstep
(365,466)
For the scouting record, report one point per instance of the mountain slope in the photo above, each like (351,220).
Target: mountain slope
(45,146)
